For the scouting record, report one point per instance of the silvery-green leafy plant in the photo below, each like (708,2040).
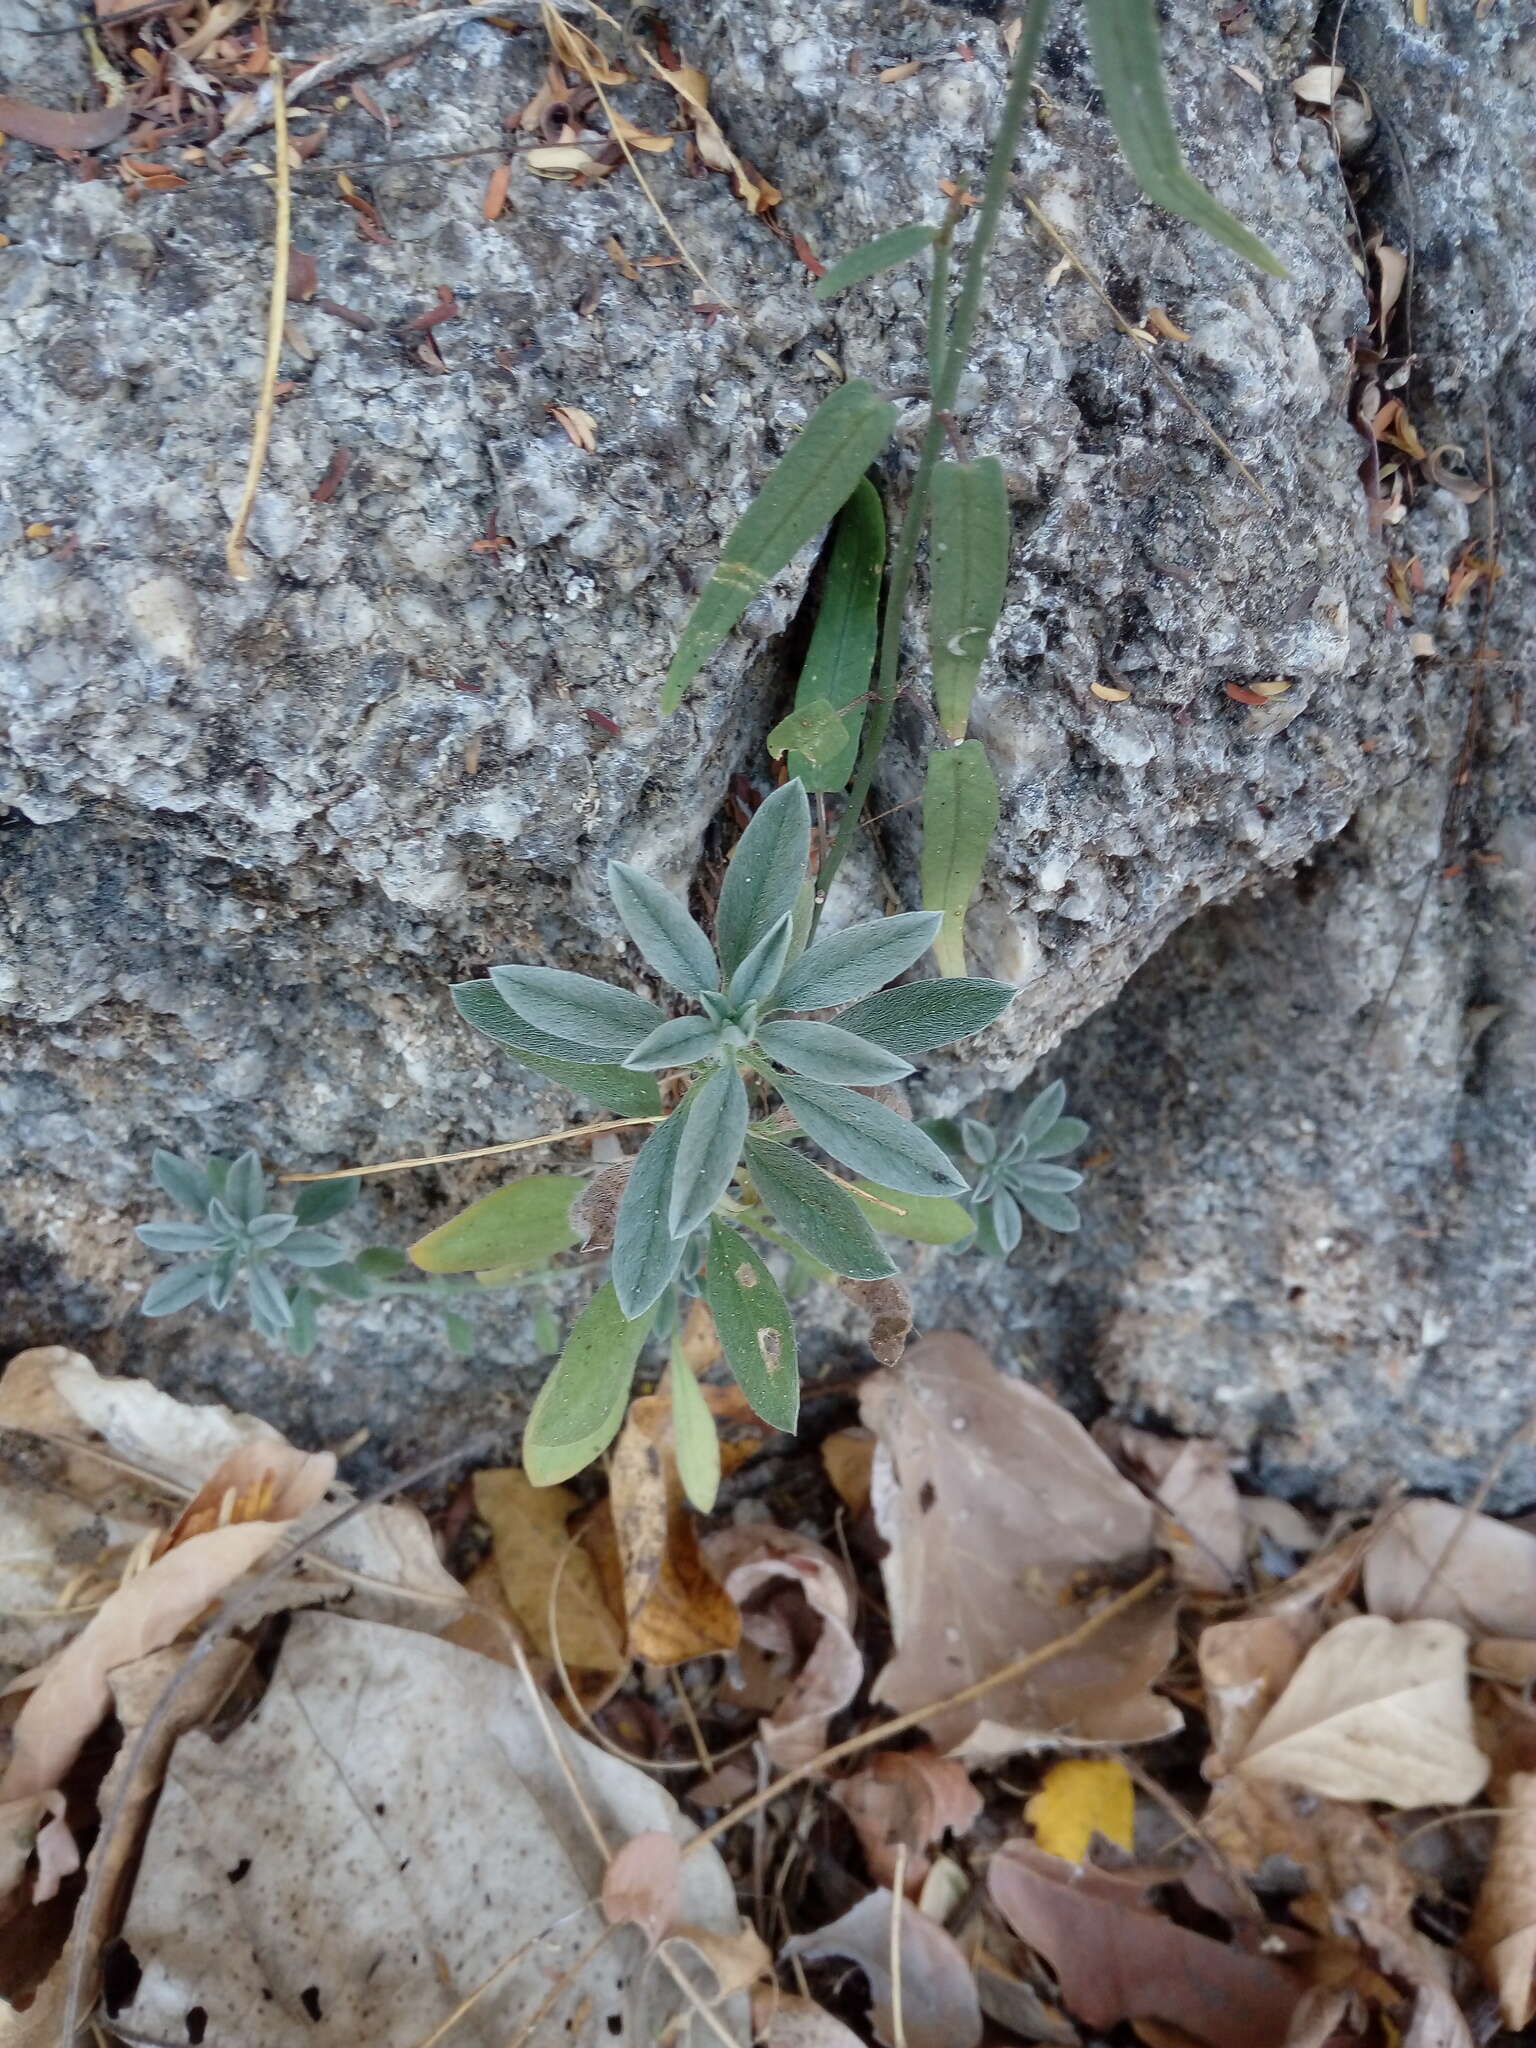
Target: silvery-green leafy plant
(1016,1170)
(756,1073)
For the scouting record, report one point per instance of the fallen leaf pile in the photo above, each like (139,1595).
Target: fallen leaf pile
(996,1729)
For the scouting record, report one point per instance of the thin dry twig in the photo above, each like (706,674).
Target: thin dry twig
(277,310)
(898,1900)
(625,1123)
(915,1717)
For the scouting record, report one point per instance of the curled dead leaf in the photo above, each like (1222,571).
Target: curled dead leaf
(580,426)
(676,1608)
(781,1582)
(1202,1523)
(48,128)
(906,1799)
(1447,468)
(532,1546)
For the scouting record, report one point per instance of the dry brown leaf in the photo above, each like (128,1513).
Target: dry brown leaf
(1003,1518)
(1431,1559)
(565,160)
(1116,1959)
(530,1534)
(1159,322)
(701,1340)
(1202,1528)
(906,1799)
(580,426)
(889,1308)
(939,2008)
(1377,1710)
(1108,693)
(736,1961)
(1447,468)
(640,1885)
(1245,1665)
(692,88)
(675,1606)
(576,51)
(47,128)
(780,2021)
(848,1456)
(1391,276)
(1502,1936)
(1319,84)
(638,138)
(782,1583)
(34,1825)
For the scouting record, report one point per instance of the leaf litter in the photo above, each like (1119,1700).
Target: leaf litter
(953,1721)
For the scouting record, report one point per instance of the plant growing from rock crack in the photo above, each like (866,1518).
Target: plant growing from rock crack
(722,1160)
(1014,1169)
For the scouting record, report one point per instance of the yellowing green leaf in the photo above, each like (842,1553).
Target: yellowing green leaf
(522,1225)
(960,813)
(582,1403)
(924,1219)
(1081,1797)
(968,551)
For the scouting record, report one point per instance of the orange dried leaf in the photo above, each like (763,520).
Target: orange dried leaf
(675,1606)
(848,1456)
(531,1543)
(494,203)
(1159,322)
(1108,693)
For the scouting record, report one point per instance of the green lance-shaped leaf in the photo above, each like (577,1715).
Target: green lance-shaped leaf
(968,556)
(801,496)
(823,1052)
(646,1251)
(602,1082)
(834,682)
(767,873)
(183,1180)
(695,1439)
(870,1138)
(324,1199)
(176,1289)
(960,815)
(524,1224)
(680,1042)
(709,1149)
(582,1403)
(763,969)
(885,252)
(663,930)
(753,1323)
(918,1016)
(853,963)
(1127,58)
(925,1219)
(577,1009)
(811,1208)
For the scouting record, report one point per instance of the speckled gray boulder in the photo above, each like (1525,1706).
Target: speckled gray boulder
(255,830)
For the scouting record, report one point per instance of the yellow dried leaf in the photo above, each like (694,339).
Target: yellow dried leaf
(1109,694)
(578,52)
(1272,686)
(1502,1936)
(637,137)
(1081,1797)
(564,160)
(676,1608)
(1318,85)
(848,1457)
(530,1539)
(894,73)
(578,424)
(1160,323)
(38,530)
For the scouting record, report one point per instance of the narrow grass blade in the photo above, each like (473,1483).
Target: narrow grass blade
(841,656)
(968,552)
(960,813)
(885,252)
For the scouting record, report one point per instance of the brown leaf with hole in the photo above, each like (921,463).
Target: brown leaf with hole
(595,1211)
(675,1606)
(48,128)
(1431,1559)
(640,1885)
(906,1799)
(939,2007)
(530,1536)
(1117,1959)
(1502,1936)
(1004,1521)
(889,1308)
(1202,1524)
(797,1605)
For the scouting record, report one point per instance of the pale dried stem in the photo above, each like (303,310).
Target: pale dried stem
(277,312)
(569,1134)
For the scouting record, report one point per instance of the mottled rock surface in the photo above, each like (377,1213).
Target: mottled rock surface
(254,831)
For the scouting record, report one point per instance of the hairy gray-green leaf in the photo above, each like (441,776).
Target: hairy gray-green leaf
(824,1052)
(760,973)
(525,1223)
(813,1210)
(851,964)
(479,1003)
(841,656)
(664,931)
(920,1015)
(766,874)
(1042,1112)
(313,1249)
(695,1440)
(268,1232)
(1065,1135)
(870,1138)
(576,1008)
(245,1190)
(269,1302)
(960,813)
(602,1082)
(177,1237)
(801,495)
(1038,1176)
(582,1403)
(1056,1212)
(680,1042)
(646,1251)
(324,1199)
(176,1289)
(968,557)
(1128,60)
(305,1328)
(185,1183)
(753,1323)
(885,252)
(709,1150)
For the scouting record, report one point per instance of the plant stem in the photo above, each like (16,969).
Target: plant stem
(947,372)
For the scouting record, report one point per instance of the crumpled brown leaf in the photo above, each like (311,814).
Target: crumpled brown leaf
(1502,1936)
(676,1607)
(889,1308)
(906,1799)
(531,1545)
(939,2008)
(47,128)
(790,1588)
(1201,1526)
(1117,1959)
(1431,1560)
(1002,1515)
(1377,1710)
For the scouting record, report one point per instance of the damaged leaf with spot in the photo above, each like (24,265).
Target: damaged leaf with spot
(754,1325)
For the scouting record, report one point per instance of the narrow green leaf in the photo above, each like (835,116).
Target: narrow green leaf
(709,1149)
(582,1403)
(178,1237)
(645,1249)
(269,1301)
(813,1210)
(245,1190)
(346,1281)
(1039,1176)
(324,1199)
(460,1332)
(1065,1135)
(761,972)
(999,1225)
(663,930)
(382,1262)
(823,1052)
(1128,60)
(176,1289)
(1041,1112)
(695,1439)
(680,1042)
(800,496)
(818,735)
(766,874)
(968,554)
(925,1219)
(960,813)
(612,1087)
(305,1328)
(885,252)
(920,1015)
(546,1330)
(853,963)
(185,1183)
(576,1008)
(841,656)
(753,1323)
(870,1138)
(525,1223)
(479,1003)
